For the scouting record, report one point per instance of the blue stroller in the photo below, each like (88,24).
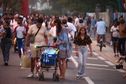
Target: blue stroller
(49,59)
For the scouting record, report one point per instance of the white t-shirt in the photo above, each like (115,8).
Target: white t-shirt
(13,24)
(71,26)
(20,30)
(101,27)
(114,31)
(76,21)
(52,31)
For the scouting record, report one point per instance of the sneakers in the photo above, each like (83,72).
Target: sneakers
(33,75)
(62,77)
(80,76)
(6,63)
(20,63)
(36,75)
(30,75)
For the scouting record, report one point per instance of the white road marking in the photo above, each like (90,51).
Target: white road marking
(109,63)
(92,58)
(74,61)
(101,58)
(101,69)
(120,70)
(99,65)
(95,53)
(24,68)
(89,81)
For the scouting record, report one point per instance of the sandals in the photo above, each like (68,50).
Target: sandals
(62,77)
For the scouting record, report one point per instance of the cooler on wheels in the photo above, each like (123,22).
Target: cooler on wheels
(49,61)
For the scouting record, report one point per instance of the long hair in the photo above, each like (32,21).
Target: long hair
(79,32)
(78,35)
(58,25)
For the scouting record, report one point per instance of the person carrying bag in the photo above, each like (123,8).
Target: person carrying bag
(25,59)
(32,39)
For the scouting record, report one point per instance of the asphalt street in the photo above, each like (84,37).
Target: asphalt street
(99,71)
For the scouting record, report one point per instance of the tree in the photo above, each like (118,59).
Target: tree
(11,5)
(62,6)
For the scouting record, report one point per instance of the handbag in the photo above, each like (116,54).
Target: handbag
(119,66)
(25,59)
(32,38)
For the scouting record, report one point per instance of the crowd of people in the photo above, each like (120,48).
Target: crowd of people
(59,31)
(118,34)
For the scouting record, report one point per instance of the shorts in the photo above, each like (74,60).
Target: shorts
(35,52)
(63,54)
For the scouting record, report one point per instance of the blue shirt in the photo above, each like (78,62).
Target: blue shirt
(63,37)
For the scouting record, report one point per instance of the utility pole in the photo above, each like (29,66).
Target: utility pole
(25,7)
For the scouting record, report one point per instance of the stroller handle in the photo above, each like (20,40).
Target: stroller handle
(44,46)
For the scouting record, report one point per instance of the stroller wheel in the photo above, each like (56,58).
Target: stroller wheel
(55,76)
(41,76)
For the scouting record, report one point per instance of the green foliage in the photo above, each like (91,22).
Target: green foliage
(87,5)
(11,5)
(16,5)
(66,5)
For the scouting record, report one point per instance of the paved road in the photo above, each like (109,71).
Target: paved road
(99,71)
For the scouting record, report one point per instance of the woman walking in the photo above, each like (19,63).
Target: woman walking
(63,45)
(115,38)
(81,41)
(6,42)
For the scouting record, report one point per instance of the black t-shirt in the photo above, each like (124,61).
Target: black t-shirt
(8,32)
(82,42)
